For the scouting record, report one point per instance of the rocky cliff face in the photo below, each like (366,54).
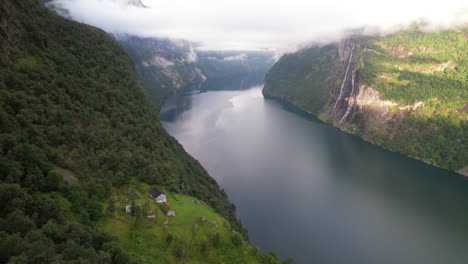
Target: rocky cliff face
(402,92)
(164,65)
(167,66)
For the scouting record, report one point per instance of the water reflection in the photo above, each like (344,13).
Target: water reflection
(311,192)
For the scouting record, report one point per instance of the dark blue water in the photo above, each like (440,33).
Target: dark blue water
(310,192)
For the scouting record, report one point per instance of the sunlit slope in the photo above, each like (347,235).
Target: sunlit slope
(407,92)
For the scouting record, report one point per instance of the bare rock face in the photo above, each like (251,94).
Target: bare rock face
(369,100)
(351,98)
(344,49)
(165,66)
(343,103)
(369,97)
(174,59)
(9,36)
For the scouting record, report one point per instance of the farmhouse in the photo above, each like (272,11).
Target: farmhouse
(171,213)
(157,195)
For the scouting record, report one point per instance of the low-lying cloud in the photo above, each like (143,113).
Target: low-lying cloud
(259,24)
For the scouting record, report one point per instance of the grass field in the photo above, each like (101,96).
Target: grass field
(192,240)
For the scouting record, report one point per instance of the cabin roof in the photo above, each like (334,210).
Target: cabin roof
(155,192)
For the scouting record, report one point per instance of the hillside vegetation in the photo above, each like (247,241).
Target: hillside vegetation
(70,99)
(416,66)
(196,234)
(407,92)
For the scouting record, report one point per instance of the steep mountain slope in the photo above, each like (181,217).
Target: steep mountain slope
(407,92)
(70,98)
(196,234)
(164,65)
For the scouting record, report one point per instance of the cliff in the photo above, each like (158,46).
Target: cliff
(406,92)
(166,66)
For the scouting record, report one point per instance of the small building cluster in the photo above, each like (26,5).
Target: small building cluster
(170,213)
(157,195)
(128,209)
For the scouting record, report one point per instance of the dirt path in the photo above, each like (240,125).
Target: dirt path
(68,176)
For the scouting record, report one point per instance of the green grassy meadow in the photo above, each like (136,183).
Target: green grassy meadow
(192,239)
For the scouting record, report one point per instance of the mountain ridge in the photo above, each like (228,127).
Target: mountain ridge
(399,91)
(168,66)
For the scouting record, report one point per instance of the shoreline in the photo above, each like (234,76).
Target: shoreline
(157,112)
(463,172)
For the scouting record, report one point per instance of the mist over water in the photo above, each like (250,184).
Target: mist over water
(311,192)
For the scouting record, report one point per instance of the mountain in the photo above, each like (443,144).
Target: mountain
(406,92)
(76,127)
(166,66)
(222,64)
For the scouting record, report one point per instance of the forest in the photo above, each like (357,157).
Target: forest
(70,98)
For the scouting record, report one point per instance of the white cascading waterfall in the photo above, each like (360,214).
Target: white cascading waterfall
(344,79)
(351,95)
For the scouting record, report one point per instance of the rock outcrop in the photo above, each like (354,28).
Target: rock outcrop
(164,65)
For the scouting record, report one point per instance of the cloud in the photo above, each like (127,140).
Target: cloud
(258,24)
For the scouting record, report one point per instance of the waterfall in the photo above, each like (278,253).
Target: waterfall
(344,79)
(350,97)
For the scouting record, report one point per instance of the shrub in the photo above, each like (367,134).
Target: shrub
(169,239)
(216,240)
(237,239)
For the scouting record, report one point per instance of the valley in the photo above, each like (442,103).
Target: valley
(133,144)
(311,192)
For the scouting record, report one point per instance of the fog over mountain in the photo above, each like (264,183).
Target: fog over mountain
(261,24)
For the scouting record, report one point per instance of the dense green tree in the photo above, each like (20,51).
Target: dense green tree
(178,251)
(204,248)
(237,239)
(70,98)
(169,238)
(216,240)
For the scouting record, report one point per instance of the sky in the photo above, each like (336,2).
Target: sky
(260,24)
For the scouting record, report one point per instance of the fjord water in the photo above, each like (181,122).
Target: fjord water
(311,192)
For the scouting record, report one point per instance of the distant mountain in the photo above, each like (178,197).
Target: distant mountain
(166,66)
(219,64)
(407,92)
